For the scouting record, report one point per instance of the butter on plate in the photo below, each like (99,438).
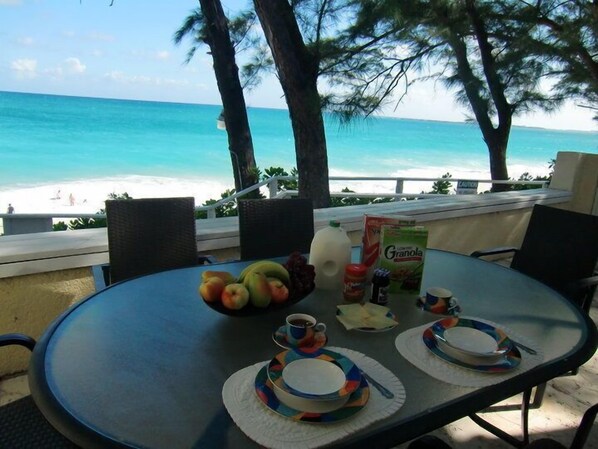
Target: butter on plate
(366,316)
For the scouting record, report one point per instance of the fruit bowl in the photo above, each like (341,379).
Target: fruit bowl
(263,286)
(250,309)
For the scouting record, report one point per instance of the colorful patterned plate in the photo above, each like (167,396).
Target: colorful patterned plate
(499,364)
(265,392)
(472,337)
(277,365)
(280,338)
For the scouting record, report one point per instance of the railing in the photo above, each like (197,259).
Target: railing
(41,222)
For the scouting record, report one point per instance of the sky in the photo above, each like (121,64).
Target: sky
(88,48)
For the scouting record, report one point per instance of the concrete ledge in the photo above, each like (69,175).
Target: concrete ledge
(53,251)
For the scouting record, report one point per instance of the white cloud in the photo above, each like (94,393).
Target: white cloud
(55,73)
(26,41)
(162,54)
(95,36)
(74,66)
(24,68)
(10,2)
(69,34)
(122,78)
(97,53)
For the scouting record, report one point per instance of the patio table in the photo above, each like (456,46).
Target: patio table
(142,363)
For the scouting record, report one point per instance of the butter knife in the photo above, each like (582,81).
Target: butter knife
(381,388)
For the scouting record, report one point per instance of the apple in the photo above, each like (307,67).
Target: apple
(227,277)
(211,289)
(278,291)
(235,296)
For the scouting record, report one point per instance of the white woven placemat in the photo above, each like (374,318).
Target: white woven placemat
(272,430)
(411,346)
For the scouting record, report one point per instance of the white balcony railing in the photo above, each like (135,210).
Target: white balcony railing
(42,222)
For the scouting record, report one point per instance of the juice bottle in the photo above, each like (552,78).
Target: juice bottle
(330,252)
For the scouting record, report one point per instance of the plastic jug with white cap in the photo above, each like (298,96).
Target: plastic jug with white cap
(330,252)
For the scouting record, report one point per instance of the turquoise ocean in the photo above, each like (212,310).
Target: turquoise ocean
(50,140)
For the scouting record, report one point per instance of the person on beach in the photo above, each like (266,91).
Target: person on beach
(10,210)
(71,200)
(57,197)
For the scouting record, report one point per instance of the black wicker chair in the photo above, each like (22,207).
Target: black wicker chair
(275,227)
(22,425)
(560,249)
(150,235)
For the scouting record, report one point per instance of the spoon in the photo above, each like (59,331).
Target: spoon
(381,388)
(525,348)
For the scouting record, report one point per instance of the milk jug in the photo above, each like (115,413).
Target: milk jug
(330,252)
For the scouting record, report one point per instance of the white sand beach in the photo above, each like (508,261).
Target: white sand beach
(89,195)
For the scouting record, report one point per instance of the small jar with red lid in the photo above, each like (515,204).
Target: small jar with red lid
(354,287)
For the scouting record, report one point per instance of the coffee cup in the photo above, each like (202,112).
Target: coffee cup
(439,300)
(301,328)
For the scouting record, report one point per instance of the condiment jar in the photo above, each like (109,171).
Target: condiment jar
(355,275)
(380,283)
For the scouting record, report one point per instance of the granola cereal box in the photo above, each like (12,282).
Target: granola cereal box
(402,252)
(370,248)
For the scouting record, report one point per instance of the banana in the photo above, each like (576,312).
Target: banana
(269,268)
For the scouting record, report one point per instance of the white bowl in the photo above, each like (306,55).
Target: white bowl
(314,376)
(471,341)
(309,405)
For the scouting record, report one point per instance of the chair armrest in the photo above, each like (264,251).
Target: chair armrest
(582,291)
(101,276)
(584,283)
(206,258)
(17,339)
(493,251)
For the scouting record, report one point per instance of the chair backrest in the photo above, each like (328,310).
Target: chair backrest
(559,247)
(150,235)
(275,227)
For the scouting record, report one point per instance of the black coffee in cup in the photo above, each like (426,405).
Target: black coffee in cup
(299,322)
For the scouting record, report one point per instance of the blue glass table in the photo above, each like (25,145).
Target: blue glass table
(141,364)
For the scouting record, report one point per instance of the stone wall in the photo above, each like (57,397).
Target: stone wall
(30,303)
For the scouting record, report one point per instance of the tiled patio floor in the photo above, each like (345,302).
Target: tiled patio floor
(565,401)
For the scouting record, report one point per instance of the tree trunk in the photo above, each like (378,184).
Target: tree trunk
(298,72)
(240,143)
(496,138)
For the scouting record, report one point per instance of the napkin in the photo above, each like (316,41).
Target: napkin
(368,315)
(271,430)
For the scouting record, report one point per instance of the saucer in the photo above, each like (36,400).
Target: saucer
(280,338)
(453,311)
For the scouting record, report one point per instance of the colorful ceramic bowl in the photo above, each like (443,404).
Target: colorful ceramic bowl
(314,373)
(355,402)
(497,364)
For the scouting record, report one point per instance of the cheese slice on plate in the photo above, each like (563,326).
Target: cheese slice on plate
(368,316)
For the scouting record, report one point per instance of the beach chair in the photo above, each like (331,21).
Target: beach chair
(22,425)
(275,227)
(150,235)
(559,249)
